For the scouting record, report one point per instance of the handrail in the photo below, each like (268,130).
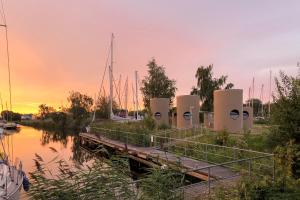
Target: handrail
(183,140)
(228,163)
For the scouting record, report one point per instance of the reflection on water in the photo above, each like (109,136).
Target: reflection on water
(26,142)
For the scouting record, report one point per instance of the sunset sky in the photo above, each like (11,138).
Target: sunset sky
(61,45)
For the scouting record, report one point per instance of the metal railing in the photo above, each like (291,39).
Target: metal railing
(236,159)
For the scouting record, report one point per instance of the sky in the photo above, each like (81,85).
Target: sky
(58,46)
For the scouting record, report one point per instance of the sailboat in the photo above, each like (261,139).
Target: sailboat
(121,117)
(12,177)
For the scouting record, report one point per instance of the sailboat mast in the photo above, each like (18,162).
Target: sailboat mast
(253,93)
(111,94)
(126,96)
(136,94)
(270,93)
(262,99)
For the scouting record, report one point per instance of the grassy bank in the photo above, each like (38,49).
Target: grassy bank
(50,125)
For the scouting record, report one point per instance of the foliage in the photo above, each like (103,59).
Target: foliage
(80,106)
(59,118)
(257,106)
(206,85)
(285,111)
(149,122)
(10,115)
(163,127)
(160,184)
(45,110)
(288,159)
(157,84)
(102,107)
(222,138)
(101,180)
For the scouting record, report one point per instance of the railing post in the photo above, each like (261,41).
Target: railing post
(185,147)
(126,141)
(206,152)
(209,180)
(234,154)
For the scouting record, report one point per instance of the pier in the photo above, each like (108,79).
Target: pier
(212,164)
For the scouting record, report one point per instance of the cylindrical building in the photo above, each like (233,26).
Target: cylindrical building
(228,110)
(187,111)
(160,110)
(247,117)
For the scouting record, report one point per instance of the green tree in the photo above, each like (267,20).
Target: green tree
(9,115)
(80,107)
(285,117)
(102,107)
(45,110)
(285,110)
(157,84)
(257,105)
(206,85)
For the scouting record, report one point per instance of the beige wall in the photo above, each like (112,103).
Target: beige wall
(160,106)
(184,104)
(248,121)
(226,101)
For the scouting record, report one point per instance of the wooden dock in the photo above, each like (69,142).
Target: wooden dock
(154,157)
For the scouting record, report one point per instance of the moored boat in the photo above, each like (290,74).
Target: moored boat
(10,126)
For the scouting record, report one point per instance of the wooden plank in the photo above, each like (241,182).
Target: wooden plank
(161,157)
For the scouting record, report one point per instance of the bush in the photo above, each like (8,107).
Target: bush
(222,138)
(149,123)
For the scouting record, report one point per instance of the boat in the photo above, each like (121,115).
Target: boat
(122,116)
(2,122)
(11,180)
(12,177)
(10,126)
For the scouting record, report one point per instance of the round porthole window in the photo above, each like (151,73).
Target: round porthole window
(187,115)
(245,115)
(157,115)
(234,114)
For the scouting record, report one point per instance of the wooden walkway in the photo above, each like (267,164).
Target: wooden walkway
(155,157)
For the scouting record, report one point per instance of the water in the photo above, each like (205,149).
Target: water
(27,142)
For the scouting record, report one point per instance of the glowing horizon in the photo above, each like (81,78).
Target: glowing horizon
(59,47)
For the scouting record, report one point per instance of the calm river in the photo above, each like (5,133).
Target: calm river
(27,142)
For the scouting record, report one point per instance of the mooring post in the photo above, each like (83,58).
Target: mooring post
(209,180)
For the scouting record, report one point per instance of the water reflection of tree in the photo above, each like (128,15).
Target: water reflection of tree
(63,137)
(55,136)
(80,155)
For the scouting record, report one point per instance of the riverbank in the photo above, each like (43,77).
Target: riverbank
(51,125)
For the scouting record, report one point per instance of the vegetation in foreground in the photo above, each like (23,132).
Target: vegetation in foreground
(103,179)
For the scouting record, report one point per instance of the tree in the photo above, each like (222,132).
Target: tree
(45,110)
(206,85)
(257,105)
(285,110)
(80,107)
(102,107)
(157,84)
(9,115)
(285,117)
